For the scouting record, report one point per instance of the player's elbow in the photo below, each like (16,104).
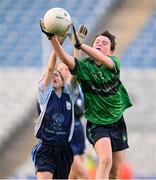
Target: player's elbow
(64,59)
(69,61)
(108,62)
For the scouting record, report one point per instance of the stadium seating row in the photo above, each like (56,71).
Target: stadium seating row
(141,52)
(20,32)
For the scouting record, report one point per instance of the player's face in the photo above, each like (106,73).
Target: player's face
(57,80)
(64,70)
(103,44)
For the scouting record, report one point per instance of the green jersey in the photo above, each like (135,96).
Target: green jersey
(105,98)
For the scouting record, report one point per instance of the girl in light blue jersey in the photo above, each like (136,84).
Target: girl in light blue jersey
(53,155)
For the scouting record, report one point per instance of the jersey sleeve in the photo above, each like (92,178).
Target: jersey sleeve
(116,63)
(43,94)
(72,91)
(80,67)
(75,70)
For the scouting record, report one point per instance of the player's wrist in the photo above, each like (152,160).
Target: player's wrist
(77,45)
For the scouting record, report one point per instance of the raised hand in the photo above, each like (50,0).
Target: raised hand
(49,35)
(78,37)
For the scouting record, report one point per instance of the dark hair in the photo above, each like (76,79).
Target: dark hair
(110,36)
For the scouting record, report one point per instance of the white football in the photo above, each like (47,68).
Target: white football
(57,21)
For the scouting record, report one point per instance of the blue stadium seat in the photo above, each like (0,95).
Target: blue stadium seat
(19,26)
(141,52)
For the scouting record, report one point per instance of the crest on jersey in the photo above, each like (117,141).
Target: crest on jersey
(68,105)
(58,119)
(79,102)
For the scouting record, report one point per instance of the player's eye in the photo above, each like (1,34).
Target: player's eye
(55,75)
(97,42)
(105,43)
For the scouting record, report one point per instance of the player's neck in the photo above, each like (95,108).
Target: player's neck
(58,91)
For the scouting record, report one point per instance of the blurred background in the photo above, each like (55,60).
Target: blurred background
(23,54)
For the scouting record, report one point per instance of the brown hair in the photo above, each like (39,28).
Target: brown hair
(60,75)
(110,36)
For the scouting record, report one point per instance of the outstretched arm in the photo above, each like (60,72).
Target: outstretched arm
(81,34)
(73,79)
(49,70)
(51,65)
(97,55)
(92,52)
(63,56)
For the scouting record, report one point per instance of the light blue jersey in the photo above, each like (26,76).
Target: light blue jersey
(56,121)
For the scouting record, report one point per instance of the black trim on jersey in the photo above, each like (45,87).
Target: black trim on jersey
(106,89)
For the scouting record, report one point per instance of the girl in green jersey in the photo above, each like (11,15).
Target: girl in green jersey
(105,100)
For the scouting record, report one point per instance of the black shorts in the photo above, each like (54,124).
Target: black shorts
(78,139)
(54,159)
(117,133)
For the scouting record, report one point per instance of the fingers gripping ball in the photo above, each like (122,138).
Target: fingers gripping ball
(57,21)
(44,30)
